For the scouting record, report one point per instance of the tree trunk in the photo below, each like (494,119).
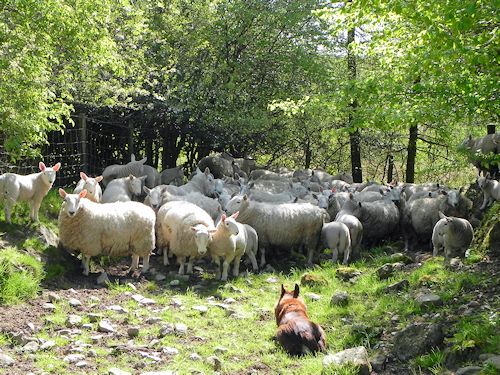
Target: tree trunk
(491,129)
(170,150)
(308,154)
(390,168)
(412,154)
(354,136)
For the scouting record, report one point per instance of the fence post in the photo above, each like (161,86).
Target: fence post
(82,119)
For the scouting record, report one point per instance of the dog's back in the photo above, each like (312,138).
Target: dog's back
(296,333)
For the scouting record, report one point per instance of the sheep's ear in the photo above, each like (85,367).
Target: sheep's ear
(216,195)
(441,215)
(143,160)
(83,176)
(83,193)
(245,197)
(223,218)
(132,157)
(146,190)
(359,204)
(235,215)
(351,196)
(98,179)
(194,229)
(315,196)
(207,171)
(62,193)
(42,166)
(283,291)
(56,167)
(296,291)
(444,192)
(143,178)
(334,190)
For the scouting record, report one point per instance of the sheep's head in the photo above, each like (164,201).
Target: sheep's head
(229,223)
(322,200)
(219,185)
(453,198)
(135,184)
(482,181)
(90,183)
(155,197)
(209,183)
(49,173)
(224,199)
(237,203)
(202,236)
(71,203)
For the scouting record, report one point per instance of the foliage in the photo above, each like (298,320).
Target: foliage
(432,361)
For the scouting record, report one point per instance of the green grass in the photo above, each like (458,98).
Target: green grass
(432,361)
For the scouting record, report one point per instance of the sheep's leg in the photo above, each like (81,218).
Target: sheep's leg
(189,270)
(435,251)
(485,201)
(216,260)
(35,207)
(145,264)
(9,203)
(236,266)
(347,252)
(86,264)
(310,253)
(135,262)
(262,256)
(251,256)
(165,256)
(181,261)
(335,254)
(225,267)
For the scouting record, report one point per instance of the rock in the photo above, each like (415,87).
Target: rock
(153,343)
(74,302)
(400,257)
(74,358)
(180,328)
(168,372)
(105,327)
(174,282)
(386,271)
(170,351)
(88,326)
(229,301)
(32,327)
(133,332)
(153,320)
(428,299)
(494,361)
(175,302)
(47,345)
(357,356)
(272,279)
(94,318)
(312,280)
(194,357)
(202,309)
(220,349)
(215,362)
(118,309)
(347,273)
(455,263)
(167,329)
(81,364)
(397,286)
(73,321)
(103,279)
(49,306)
(143,300)
(160,277)
(312,296)
(117,371)
(340,299)
(469,370)
(417,339)
(31,347)
(378,362)
(6,360)
(49,237)
(54,297)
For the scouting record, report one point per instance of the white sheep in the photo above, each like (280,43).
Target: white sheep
(452,234)
(114,229)
(123,189)
(174,176)
(31,188)
(491,190)
(355,230)
(114,171)
(264,196)
(183,230)
(152,176)
(284,225)
(202,182)
(336,236)
(249,237)
(94,191)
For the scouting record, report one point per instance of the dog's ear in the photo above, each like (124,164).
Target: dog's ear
(296,291)
(283,291)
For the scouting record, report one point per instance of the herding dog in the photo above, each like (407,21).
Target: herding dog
(296,333)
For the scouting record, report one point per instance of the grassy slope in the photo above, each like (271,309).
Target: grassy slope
(369,319)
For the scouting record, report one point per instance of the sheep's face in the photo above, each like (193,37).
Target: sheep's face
(219,186)
(229,224)
(224,200)
(481,181)
(71,203)
(322,201)
(202,236)
(210,185)
(49,173)
(155,198)
(453,198)
(135,184)
(236,203)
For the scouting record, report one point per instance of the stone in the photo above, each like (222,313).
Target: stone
(194,357)
(143,300)
(167,329)
(54,297)
(118,309)
(272,279)
(81,364)
(455,263)
(153,320)
(103,279)
(312,296)
(167,372)
(428,299)
(117,371)
(312,280)
(160,277)
(47,345)
(469,370)
(74,358)
(31,347)
(180,328)
(174,282)
(49,306)
(215,362)
(175,302)
(170,351)
(378,362)
(153,343)
(357,356)
(74,302)
(6,360)
(397,286)
(105,327)
(133,332)
(229,301)
(347,273)
(386,271)
(417,339)
(202,309)
(94,318)
(73,321)
(494,361)
(340,299)
(220,349)
(48,236)
(400,257)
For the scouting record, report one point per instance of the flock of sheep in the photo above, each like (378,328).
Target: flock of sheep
(229,208)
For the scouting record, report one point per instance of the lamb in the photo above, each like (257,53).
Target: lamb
(452,234)
(249,236)
(31,188)
(491,190)
(335,236)
(174,176)
(94,191)
(184,230)
(421,215)
(153,177)
(114,171)
(224,245)
(114,229)
(201,182)
(209,205)
(284,225)
(355,230)
(123,189)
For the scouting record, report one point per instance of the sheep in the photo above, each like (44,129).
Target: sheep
(271,186)
(411,189)
(452,234)
(264,196)
(224,245)
(94,191)
(220,164)
(31,188)
(202,182)
(285,225)
(246,165)
(123,189)
(421,215)
(355,230)
(153,177)
(477,147)
(491,190)
(382,189)
(380,219)
(339,185)
(368,196)
(115,171)
(249,236)
(114,229)
(423,194)
(174,176)
(211,206)
(336,236)
(184,230)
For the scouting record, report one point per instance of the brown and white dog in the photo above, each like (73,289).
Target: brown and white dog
(296,333)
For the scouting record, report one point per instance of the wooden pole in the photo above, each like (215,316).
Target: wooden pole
(82,119)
